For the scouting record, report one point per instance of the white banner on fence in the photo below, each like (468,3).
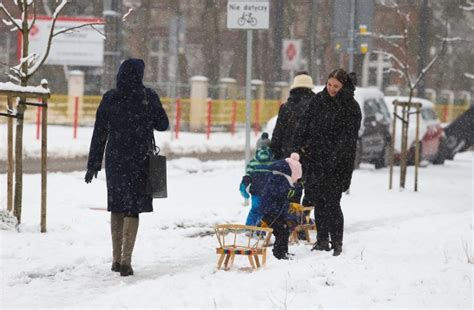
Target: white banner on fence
(81,47)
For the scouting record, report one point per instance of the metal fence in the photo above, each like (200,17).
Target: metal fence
(224,114)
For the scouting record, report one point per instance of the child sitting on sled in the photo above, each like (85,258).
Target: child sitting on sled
(275,201)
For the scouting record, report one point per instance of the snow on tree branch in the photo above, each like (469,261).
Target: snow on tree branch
(391,56)
(10,17)
(34,17)
(469,75)
(59,8)
(469,7)
(31,63)
(63,30)
(124,17)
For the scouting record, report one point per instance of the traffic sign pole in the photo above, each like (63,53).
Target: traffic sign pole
(248,96)
(248,15)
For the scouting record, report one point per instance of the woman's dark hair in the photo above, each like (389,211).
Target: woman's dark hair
(342,76)
(301,72)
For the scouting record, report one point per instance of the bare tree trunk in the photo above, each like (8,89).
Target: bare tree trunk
(17,203)
(403,159)
(19,162)
(404,156)
(211,40)
(10,159)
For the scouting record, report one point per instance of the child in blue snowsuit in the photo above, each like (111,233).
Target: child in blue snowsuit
(276,198)
(256,175)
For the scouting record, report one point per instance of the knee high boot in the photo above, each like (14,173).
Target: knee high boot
(130,228)
(116,229)
(337,230)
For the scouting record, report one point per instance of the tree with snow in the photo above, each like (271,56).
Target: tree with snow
(28,65)
(397,53)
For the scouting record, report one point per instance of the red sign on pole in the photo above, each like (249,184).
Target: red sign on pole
(291,54)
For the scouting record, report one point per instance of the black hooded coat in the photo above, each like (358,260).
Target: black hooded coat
(125,120)
(326,139)
(288,119)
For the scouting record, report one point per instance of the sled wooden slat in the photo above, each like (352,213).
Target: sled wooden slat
(251,241)
(303,227)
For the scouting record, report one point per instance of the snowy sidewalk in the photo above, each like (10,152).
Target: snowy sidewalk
(401,249)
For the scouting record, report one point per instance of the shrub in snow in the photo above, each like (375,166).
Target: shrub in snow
(7,220)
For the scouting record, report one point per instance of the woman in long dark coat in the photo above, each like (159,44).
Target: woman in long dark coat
(326,140)
(125,120)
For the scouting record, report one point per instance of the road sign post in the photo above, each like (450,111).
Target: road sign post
(248,15)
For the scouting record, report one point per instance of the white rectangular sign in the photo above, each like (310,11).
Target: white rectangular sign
(248,14)
(81,47)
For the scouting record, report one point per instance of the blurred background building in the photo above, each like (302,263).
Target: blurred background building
(179,39)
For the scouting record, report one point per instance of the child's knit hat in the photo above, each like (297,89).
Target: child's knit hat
(295,166)
(263,141)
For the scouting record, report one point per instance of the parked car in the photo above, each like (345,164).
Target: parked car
(459,135)
(373,145)
(430,131)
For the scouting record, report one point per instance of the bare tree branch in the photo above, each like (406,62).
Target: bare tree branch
(10,17)
(47,8)
(32,70)
(77,27)
(34,16)
(98,31)
(400,72)
(469,7)
(435,58)
(391,57)
(390,40)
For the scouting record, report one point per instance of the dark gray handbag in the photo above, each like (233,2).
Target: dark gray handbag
(156,184)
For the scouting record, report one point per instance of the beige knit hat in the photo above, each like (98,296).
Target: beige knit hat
(302,81)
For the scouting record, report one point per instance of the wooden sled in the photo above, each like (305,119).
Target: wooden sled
(235,239)
(306,227)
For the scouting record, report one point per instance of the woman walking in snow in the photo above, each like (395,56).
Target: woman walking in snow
(326,140)
(125,120)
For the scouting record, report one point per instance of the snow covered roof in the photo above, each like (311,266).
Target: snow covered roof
(9,87)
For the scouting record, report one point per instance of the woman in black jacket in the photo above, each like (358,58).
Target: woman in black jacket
(326,139)
(125,120)
(290,113)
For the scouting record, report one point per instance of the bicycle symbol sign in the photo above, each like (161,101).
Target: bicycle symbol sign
(248,15)
(247,18)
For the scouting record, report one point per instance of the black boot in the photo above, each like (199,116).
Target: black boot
(321,245)
(337,246)
(115,267)
(284,256)
(126,270)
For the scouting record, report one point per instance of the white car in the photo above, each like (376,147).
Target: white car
(430,134)
(374,135)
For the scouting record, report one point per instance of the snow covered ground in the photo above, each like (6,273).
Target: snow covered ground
(401,248)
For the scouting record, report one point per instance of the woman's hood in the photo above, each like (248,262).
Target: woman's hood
(130,74)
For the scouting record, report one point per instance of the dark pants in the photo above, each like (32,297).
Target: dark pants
(328,216)
(281,233)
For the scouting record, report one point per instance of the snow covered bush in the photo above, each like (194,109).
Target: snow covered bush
(7,220)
